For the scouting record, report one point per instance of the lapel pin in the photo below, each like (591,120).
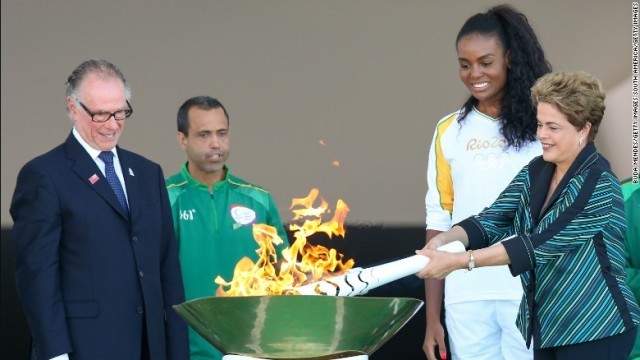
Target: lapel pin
(93,179)
(131,172)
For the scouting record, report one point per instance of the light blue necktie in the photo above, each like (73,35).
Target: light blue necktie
(112,178)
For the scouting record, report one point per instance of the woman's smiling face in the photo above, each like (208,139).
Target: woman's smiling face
(483,66)
(561,141)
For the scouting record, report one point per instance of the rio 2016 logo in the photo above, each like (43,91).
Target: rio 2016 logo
(491,160)
(479,144)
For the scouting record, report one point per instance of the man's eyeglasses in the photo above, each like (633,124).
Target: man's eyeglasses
(105,116)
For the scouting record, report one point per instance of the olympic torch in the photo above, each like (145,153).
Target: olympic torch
(359,281)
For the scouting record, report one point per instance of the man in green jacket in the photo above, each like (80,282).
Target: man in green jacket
(213,211)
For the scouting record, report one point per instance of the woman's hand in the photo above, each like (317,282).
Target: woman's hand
(434,337)
(441,263)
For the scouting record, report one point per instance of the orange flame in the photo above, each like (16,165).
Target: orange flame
(300,263)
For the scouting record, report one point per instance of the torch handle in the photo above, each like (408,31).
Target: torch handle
(398,269)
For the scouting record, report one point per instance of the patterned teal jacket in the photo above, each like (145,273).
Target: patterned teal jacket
(569,255)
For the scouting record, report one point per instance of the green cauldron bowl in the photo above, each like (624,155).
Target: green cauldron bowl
(298,326)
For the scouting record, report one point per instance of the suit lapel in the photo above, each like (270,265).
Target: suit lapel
(541,173)
(585,158)
(88,171)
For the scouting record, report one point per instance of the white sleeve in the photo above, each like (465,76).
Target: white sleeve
(440,189)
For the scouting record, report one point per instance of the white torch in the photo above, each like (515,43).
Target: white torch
(359,281)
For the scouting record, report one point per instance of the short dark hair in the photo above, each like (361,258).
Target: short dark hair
(576,94)
(201,102)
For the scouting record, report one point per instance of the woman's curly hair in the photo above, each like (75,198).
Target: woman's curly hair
(526,64)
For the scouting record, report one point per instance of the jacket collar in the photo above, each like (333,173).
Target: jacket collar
(198,184)
(86,168)
(542,173)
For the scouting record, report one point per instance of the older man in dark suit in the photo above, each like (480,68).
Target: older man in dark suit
(97,267)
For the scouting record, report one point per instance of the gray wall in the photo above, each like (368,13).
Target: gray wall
(368,77)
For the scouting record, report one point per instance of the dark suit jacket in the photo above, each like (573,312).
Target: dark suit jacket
(91,281)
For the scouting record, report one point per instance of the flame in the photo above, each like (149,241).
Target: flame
(300,263)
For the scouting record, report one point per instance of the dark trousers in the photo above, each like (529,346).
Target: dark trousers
(615,347)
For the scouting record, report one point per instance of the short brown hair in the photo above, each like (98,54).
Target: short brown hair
(576,94)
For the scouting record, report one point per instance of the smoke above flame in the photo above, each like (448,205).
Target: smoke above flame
(299,264)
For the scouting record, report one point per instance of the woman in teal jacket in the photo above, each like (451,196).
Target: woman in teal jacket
(560,226)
